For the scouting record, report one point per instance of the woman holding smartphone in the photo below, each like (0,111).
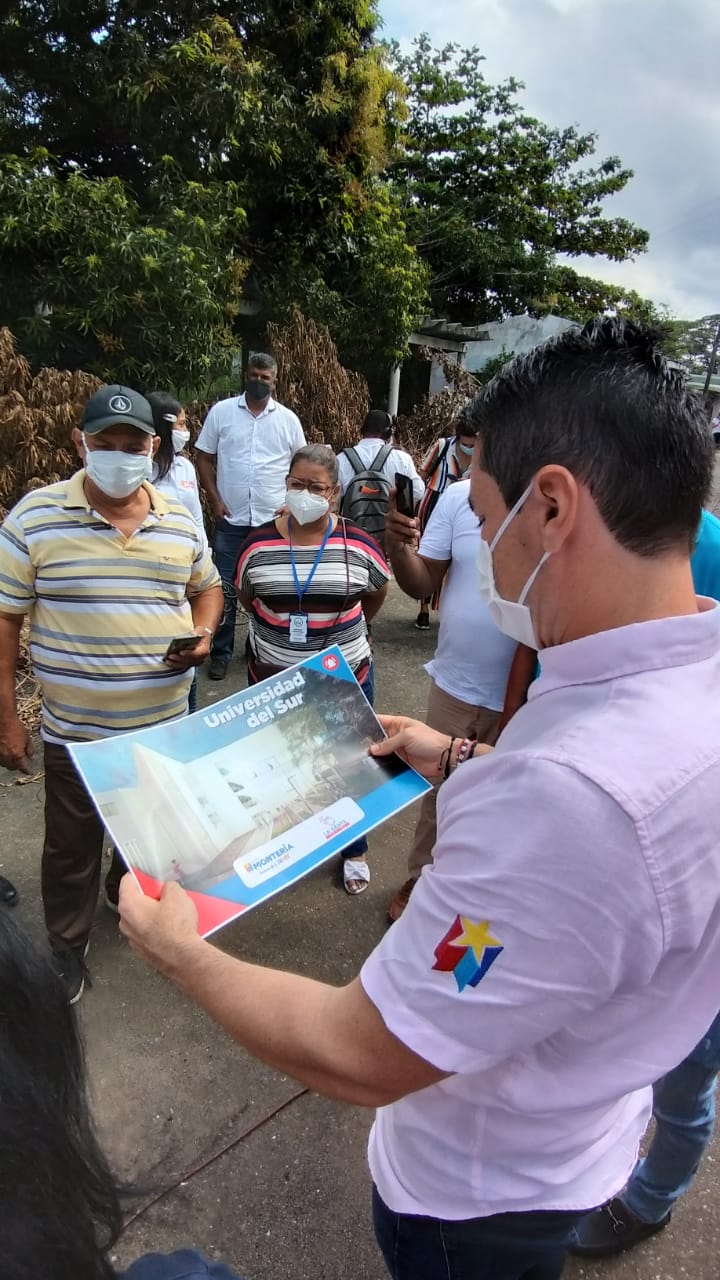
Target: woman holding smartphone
(309,579)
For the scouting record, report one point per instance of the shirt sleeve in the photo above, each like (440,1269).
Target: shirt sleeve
(203,574)
(534,912)
(378,570)
(17,572)
(345,472)
(437,539)
(207,441)
(298,440)
(429,457)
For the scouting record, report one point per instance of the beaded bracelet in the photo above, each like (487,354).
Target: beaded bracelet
(465,750)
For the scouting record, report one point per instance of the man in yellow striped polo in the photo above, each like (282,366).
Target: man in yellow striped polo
(108,572)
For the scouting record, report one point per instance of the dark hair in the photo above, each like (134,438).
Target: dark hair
(59,1205)
(463,424)
(377,423)
(319,454)
(165,408)
(261,360)
(603,402)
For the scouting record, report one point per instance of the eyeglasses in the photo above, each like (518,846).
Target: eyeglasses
(317,490)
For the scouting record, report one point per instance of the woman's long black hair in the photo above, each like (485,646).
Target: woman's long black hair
(59,1205)
(165,410)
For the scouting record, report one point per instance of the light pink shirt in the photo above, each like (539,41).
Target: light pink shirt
(582,859)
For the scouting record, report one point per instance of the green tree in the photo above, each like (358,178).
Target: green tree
(581,297)
(491,195)
(285,101)
(91,280)
(691,342)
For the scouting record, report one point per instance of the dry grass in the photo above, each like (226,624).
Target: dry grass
(330,401)
(37,415)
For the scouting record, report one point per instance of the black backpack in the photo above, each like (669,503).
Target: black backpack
(365,500)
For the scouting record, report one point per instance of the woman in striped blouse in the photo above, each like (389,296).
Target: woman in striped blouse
(309,579)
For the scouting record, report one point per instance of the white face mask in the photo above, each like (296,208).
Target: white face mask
(512,617)
(180,439)
(118,474)
(305,507)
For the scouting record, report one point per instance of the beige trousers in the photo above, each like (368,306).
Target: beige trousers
(448,715)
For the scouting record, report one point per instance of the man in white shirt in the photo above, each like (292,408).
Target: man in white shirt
(244,452)
(470,666)
(562,952)
(375,442)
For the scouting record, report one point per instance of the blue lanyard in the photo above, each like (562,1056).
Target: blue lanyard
(316,561)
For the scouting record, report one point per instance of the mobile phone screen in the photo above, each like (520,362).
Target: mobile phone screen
(404,499)
(181,643)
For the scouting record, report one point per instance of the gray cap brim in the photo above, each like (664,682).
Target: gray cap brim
(117,420)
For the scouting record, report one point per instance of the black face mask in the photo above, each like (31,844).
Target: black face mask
(256,389)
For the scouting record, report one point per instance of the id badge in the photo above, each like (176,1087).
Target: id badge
(298,628)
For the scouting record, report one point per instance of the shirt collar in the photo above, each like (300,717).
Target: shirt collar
(75,495)
(270,407)
(624,651)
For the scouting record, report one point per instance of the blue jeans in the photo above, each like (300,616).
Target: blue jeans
(193,694)
(227,541)
(185,1264)
(506,1246)
(684,1111)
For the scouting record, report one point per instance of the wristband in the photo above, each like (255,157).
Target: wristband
(465,750)
(444,765)
(207,631)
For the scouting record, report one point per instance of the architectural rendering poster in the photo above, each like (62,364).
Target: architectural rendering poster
(243,798)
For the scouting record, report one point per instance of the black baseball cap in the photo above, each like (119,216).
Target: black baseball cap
(111,406)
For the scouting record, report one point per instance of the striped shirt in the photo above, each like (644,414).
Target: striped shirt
(102,608)
(351,566)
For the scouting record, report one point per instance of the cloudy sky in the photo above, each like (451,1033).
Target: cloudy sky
(642,74)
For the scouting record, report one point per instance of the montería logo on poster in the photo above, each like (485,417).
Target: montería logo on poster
(258,866)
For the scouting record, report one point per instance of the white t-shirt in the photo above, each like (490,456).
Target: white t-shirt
(473,656)
(563,950)
(180,484)
(253,456)
(397,460)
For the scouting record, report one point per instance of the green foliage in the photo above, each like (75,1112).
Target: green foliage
(492,195)
(581,298)
(284,100)
(691,342)
(92,281)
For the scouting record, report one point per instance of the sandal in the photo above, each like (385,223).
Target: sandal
(356,875)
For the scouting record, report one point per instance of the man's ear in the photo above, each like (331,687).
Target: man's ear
(558,488)
(155,445)
(77,439)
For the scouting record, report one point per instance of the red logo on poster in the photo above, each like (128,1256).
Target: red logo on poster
(330,663)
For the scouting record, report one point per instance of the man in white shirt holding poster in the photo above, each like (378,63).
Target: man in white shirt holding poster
(243,457)
(562,952)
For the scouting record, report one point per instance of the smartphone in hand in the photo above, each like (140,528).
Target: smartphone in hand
(180,644)
(404,497)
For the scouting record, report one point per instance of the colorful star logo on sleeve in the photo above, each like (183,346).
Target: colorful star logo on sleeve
(467,951)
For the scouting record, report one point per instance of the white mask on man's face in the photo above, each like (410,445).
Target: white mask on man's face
(513,617)
(118,474)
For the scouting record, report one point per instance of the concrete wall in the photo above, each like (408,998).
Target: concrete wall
(516,334)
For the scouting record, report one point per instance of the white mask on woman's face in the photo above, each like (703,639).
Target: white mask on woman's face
(305,507)
(180,439)
(513,617)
